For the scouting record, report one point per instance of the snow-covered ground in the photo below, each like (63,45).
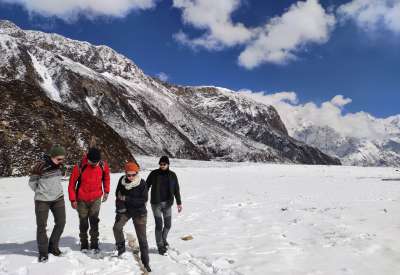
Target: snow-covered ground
(244,219)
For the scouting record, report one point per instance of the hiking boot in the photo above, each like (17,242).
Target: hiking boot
(166,244)
(43,258)
(121,248)
(94,245)
(162,250)
(147,267)
(55,251)
(84,245)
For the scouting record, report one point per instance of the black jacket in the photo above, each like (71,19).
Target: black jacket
(135,199)
(154,180)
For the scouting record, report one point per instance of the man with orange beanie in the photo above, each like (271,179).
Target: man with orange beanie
(131,197)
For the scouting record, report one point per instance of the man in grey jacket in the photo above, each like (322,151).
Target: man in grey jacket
(45,181)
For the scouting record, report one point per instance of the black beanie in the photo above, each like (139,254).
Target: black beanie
(94,155)
(164,159)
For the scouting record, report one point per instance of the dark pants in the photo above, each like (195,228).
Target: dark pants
(89,214)
(140,228)
(162,211)
(42,208)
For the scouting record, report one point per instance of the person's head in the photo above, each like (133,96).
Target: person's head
(131,170)
(164,163)
(57,154)
(94,156)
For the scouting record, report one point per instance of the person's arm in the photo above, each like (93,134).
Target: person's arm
(35,175)
(106,183)
(72,186)
(149,180)
(145,193)
(177,194)
(119,185)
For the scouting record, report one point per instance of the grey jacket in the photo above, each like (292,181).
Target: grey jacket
(45,181)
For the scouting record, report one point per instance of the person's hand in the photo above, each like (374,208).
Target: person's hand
(74,204)
(105,197)
(179,208)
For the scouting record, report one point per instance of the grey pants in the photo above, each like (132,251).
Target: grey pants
(42,208)
(162,211)
(89,214)
(140,228)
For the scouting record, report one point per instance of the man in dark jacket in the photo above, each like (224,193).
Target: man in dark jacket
(45,181)
(89,186)
(164,187)
(131,197)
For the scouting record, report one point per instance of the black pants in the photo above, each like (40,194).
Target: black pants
(140,227)
(42,208)
(89,214)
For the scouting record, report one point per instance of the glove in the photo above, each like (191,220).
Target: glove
(105,197)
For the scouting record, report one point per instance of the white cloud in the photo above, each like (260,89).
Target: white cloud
(213,16)
(278,41)
(370,15)
(70,9)
(329,113)
(163,76)
(282,37)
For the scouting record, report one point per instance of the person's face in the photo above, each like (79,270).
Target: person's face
(58,160)
(130,175)
(163,166)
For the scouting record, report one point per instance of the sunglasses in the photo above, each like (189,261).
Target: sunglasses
(60,159)
(130,175)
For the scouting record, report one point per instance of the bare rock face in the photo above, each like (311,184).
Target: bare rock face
(30,123)
(152,117)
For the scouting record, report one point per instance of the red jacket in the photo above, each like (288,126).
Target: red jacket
(91,187)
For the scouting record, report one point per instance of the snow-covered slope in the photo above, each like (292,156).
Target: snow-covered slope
(380,149)
(147,113)
(251,219)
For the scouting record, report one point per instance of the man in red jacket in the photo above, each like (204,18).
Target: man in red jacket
(88,184)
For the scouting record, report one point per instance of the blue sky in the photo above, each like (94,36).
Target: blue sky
(355,57)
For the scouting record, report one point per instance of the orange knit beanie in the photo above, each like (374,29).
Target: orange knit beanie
(131,167)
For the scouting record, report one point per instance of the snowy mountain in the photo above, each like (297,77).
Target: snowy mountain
(151,116)
(382,149)
(30,123)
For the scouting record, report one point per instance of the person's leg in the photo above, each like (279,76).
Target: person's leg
(159,224)
(58,210)
(167,215)
(140,228)
(120,221)
(42,213)
(94,212)
(83,212)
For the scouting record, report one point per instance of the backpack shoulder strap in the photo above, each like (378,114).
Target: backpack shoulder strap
(81,168)
(101,164)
